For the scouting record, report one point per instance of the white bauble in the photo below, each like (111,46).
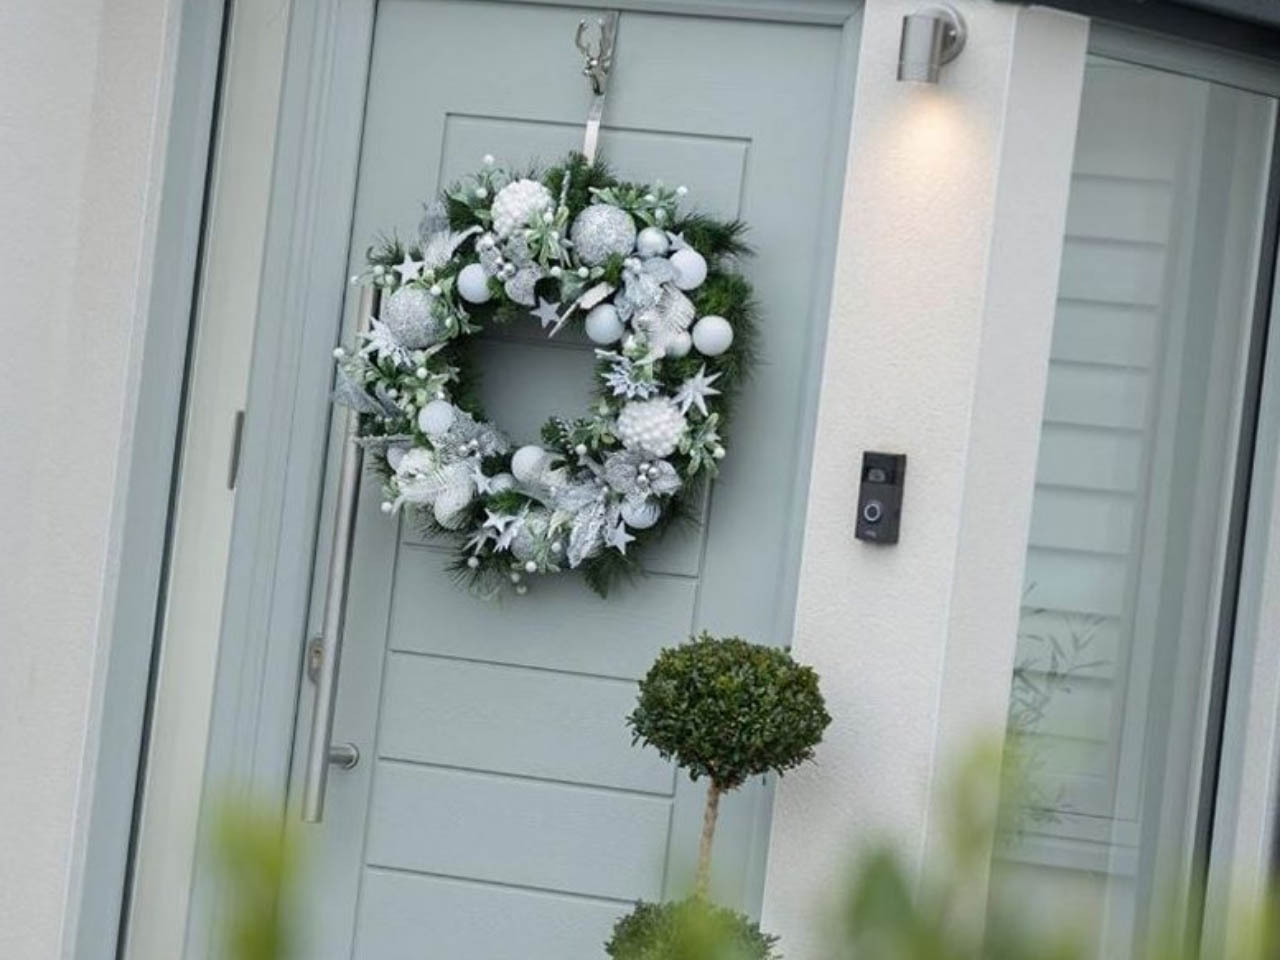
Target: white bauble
(501,482)
(602,229)
(516,204)
(690,268)
(436,418)
(395,455)
(450,508)
(640,514)
(409,315)
(473,284)
(603,325)
(528,463)
(679,344)
(652,242)
(451,502)
(653,426)
(712,335)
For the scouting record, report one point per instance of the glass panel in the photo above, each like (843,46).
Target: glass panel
(1127,542)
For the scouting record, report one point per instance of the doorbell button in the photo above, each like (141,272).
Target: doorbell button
(872,511)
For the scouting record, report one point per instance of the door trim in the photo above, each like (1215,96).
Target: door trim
(1239,841)
(283,495)
(204,498)
(114,753)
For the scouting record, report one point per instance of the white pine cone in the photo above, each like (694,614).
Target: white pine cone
(654,426)
(516,204)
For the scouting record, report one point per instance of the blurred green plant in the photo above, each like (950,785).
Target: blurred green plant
(940,912)
(690,929)
(259,868)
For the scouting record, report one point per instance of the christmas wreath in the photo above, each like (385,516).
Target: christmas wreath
(653,287)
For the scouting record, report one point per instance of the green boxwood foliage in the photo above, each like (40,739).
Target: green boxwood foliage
(727,709)
(691,929)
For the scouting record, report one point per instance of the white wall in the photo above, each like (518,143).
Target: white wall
(82,84)
(955,203)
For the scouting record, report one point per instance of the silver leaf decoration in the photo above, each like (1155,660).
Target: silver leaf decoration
(576,495)
(586,536)
(438,241)
(640,292)
(594,295)
(349,393)
(622,471)
(660,269)
(672,315)
(468,438)
(520,287)
(390,409)
(490,256)
(385,442)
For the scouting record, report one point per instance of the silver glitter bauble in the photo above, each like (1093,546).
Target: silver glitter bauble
(532,534)
(516,204)
(600,230)
(410,316)
(654,426)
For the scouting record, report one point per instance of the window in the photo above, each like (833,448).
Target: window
(1123,585)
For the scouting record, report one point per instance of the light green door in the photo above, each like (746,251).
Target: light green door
(499,809)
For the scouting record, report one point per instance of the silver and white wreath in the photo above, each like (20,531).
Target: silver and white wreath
(594,483)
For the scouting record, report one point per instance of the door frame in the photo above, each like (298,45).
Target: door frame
(117,722)
(284,497)
(1235,815)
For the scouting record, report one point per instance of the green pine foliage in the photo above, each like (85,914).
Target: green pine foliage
(727,709)
(691,929)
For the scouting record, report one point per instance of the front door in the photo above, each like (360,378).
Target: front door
(499,808)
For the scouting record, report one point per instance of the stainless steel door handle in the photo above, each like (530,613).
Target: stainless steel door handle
(321,751)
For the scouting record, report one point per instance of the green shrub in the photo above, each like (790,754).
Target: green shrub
(691,929)
(728,709)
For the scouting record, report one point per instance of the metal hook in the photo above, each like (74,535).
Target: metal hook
(600,60)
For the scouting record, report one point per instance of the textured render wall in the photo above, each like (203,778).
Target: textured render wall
(954,210)
(80,85)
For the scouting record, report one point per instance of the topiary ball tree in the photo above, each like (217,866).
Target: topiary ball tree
(727,710)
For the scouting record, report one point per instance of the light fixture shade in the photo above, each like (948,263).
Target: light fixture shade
(930,37)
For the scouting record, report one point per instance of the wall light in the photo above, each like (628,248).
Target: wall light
(930,37)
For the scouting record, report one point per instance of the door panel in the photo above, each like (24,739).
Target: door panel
(501,809)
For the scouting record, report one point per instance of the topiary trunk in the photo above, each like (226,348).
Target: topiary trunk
(702,879)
